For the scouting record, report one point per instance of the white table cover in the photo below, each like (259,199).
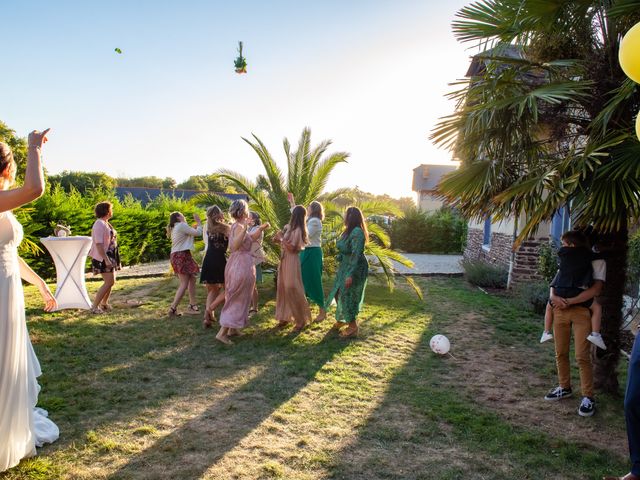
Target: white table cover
(69,255)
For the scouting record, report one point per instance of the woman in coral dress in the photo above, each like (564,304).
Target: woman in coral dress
(22,426)
(291,301)
(239,274)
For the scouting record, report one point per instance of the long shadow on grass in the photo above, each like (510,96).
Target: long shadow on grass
(191,449)
(425,429)
(100,370)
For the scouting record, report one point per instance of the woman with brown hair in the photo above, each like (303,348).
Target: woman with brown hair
(22,426)
(311,260)
(182,262)
(353,269)
(291,302)
(215,258)
(105,257)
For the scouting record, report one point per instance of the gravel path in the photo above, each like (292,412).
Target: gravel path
(425,264)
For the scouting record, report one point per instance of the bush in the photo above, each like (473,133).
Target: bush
(483,274)
(535,296)
(141,229)
(547,261)
(439,232)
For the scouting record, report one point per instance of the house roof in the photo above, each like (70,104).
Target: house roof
(500,55)
(427,177)
(145,195)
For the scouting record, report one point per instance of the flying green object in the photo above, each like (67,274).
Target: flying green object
(117,50)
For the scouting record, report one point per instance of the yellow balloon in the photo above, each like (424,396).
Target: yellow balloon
(638,126)
(629,53)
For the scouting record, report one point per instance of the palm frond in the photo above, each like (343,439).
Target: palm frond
(206,199)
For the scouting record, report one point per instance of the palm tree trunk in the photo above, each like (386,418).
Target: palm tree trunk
(606,361)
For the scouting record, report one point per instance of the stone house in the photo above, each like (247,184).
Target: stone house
(493,243)
(425,183)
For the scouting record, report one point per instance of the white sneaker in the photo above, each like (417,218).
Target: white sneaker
(596,339)
(546,336)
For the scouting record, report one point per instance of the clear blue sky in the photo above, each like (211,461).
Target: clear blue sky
(370,75)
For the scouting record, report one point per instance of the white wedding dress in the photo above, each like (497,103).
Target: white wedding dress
(22,425)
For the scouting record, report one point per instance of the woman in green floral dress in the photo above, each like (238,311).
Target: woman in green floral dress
(353,269)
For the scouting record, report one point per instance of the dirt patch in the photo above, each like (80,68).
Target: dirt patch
(502,380)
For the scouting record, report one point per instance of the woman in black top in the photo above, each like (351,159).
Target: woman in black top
(215,259)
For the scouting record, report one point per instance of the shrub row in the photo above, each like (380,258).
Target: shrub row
(141,229)
(439,232)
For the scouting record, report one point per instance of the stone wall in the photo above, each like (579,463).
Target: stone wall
(525,267)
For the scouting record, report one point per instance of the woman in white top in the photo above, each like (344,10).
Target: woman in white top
(182,262)
(22,426)
(311,257)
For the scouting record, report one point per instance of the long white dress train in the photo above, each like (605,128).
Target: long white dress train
(22,425)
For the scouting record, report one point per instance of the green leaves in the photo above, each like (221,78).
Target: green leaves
(547,117)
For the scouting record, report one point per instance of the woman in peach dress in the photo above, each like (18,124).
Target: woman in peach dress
(291,302)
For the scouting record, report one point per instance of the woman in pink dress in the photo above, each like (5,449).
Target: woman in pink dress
(239,274)
(291,302)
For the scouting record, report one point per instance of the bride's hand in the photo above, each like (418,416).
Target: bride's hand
(50,303)
(36,138)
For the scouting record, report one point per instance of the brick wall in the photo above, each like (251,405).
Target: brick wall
(525,267)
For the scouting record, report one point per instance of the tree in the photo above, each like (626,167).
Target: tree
(545,121)
(83,182)
(308,170)
(147,182)
(18,146)
(209,183)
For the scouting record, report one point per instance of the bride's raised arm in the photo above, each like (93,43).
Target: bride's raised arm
(34,179)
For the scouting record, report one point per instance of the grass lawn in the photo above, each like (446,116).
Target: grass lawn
(140,396)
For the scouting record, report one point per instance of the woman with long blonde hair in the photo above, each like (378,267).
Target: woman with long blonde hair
(182,262)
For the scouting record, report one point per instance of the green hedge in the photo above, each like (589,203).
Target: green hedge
(439,232)
(141,229)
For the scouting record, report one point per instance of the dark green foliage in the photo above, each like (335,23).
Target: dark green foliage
(439,232)
(633,264)
(547,261)
(484,274)
(141,230)
(82,181)
(535,296)
(147,182)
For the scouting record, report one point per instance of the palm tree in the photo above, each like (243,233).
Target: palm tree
(308,170)
(546,120)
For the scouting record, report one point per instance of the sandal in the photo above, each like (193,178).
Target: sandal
(97,311)
(106,307)
(209,318)
(349,333)
(173,312)
(193,309)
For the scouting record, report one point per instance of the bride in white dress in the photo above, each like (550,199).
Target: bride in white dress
(22,425)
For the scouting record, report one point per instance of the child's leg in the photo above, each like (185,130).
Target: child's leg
(548,324)
(548,318)
(596,316)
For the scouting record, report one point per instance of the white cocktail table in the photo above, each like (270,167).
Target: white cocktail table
(69,255)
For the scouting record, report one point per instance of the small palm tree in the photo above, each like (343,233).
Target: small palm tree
(308,170)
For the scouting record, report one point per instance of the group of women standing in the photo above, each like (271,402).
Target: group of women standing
(231,281)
